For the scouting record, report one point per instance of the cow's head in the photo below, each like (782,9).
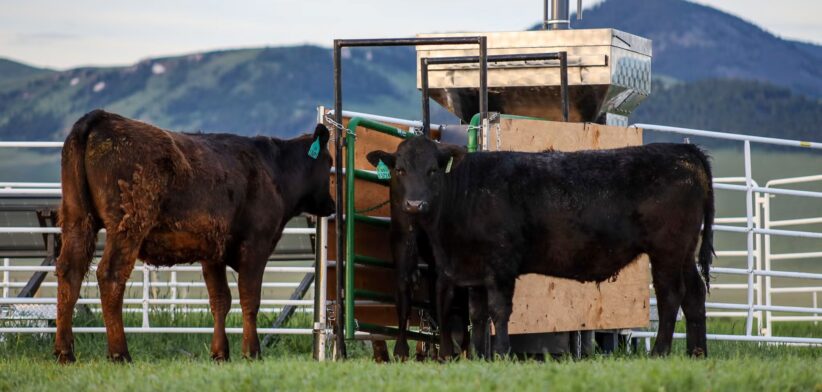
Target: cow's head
(418,171)
(316,198)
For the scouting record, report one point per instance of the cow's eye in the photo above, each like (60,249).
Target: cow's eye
(400,172)
(431,172)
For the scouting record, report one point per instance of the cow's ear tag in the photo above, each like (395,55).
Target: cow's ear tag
(314,150)
(448,166)
(382,171)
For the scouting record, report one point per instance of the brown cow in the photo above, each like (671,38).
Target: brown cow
(170,198)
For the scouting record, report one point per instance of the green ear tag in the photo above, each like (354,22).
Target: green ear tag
(448,166)
(314,151)
(382,171)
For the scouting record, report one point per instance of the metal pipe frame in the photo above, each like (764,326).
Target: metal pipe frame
(349,330)
(339,44)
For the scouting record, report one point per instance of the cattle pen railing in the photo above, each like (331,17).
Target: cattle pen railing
(757,309)
(758,232)
(21,313)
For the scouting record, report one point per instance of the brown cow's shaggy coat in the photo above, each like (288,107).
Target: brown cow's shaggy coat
(169,198)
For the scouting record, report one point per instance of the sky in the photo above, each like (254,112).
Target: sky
(67,34)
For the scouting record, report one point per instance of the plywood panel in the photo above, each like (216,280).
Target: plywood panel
(546,304)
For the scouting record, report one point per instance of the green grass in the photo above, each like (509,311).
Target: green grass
(181,362)
(672,374)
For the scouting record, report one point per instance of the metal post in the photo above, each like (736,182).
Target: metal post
(320,287)
(173,284)
(545,14)
(145,294)
(350,211)
(563,72)
(426,110)
(6,280)
(750,234)
(758,245)
(338,222)
(559,18)
(767,212)
(483,93)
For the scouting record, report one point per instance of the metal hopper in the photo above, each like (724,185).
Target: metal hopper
(609,74)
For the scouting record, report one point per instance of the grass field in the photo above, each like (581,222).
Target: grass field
(181,362)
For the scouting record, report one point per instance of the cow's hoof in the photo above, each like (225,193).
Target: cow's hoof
(698,352)
(380,350)
(119,358)
(401,351)
(253,356)
(64,357)
(220,357)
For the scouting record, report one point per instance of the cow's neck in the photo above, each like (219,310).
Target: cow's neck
(289,172)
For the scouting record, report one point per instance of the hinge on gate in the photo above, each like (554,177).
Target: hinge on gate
(331,312)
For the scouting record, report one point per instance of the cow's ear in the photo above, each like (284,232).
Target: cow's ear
(452,153)
(374,157)
(321,133)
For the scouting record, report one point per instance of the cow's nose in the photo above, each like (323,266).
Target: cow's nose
(415,206)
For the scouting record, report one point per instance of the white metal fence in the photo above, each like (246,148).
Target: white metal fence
(759,230)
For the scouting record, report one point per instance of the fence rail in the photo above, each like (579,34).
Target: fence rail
(759,230)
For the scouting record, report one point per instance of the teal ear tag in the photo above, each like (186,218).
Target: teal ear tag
(448,166)
(382,171)
(314,151)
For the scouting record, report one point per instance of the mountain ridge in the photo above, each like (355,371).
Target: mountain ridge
(274,90)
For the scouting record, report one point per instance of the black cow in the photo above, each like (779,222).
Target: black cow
(579,215)
(170,198)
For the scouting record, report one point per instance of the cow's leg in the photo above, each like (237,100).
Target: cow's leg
(669,288)
(478,310)
(404,250)
(112,273)
(253,258)
(72,266)
(693,305)
(445,296)
(500,305)
(403,313)
(464,334)
(219,297)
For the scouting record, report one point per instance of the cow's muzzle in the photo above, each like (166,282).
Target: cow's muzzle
(415,206)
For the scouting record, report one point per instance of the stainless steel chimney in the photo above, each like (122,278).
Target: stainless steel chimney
(559,17)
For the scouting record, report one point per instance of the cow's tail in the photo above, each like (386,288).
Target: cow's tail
(706,249)
(77,213)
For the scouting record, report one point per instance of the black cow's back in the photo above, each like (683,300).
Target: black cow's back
(581,215)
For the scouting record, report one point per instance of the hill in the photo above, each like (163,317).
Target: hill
(693,42)
(13,73)
(269,91)
(737,106)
